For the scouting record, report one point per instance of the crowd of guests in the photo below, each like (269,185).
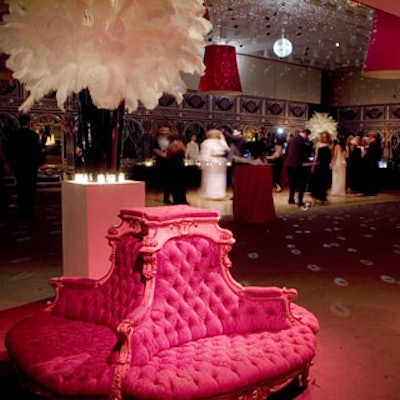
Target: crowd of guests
(322,166)
(344,165)
(338,167)
(212,155)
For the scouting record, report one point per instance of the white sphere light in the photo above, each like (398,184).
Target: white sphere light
(283,48)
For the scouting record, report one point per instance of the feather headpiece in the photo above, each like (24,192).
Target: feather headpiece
(321,122)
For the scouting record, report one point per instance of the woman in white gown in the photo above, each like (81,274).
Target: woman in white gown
(339,169)
(213,157)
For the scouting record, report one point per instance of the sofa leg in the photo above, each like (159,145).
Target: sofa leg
(304,378)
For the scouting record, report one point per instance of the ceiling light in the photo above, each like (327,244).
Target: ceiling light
(222,74)
(283,47)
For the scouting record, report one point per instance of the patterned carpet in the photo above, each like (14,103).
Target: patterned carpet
(345,263)
(344,260)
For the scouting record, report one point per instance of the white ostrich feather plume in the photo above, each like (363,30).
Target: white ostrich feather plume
(321,122)
(131,50)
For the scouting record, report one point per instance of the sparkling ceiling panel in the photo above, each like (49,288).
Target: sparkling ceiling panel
(326,34)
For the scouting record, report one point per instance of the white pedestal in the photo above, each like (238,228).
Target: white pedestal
(88,210)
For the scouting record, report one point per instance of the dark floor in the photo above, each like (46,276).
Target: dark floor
(345,263)
(344,260)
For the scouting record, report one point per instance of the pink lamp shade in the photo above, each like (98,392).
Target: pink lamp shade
(383,56)
(222,74)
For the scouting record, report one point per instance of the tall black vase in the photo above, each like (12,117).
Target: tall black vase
(99,133)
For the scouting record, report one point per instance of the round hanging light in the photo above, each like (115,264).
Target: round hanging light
(283,47)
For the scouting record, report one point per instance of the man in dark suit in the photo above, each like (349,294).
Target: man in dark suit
(297,157)
(24,154)
(372,157)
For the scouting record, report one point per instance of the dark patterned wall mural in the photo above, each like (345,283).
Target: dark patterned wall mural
(198,113)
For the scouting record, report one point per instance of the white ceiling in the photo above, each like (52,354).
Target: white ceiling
(327,34)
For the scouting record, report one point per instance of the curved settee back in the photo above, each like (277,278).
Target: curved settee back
(192,300)
(109,300)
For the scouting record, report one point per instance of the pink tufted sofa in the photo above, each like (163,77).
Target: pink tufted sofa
(167,322)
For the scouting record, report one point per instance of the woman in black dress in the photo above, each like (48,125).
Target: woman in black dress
(175,171)
(321,168)
(276,159)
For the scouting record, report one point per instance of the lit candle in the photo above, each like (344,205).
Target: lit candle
(81,178)
(101,178)
(111,178)
(121,177)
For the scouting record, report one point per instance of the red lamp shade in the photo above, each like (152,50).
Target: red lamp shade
(5,73)
(383,56)
(222,74)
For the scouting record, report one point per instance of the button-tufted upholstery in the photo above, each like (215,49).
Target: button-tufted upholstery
(71,349)
(200,339)
(167,322)
(201,334)
(109,303)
